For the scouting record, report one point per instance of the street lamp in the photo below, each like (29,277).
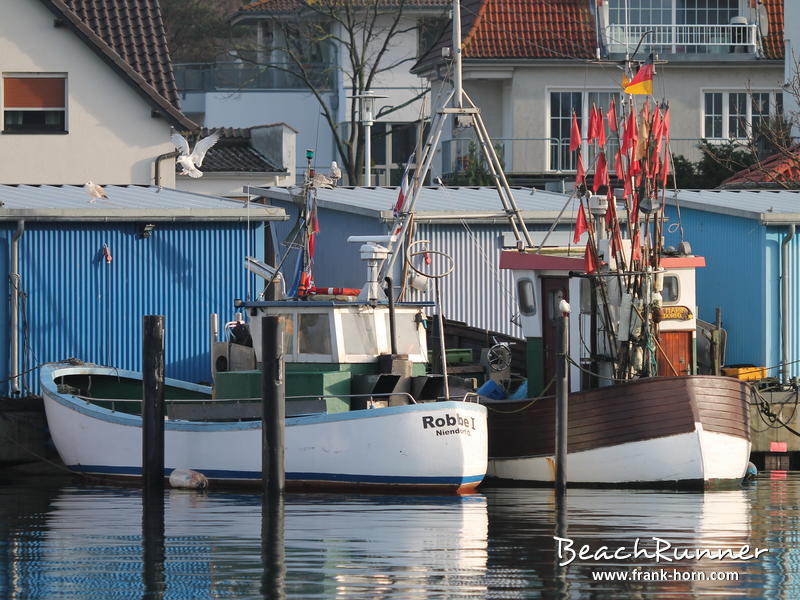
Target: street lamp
(366,101)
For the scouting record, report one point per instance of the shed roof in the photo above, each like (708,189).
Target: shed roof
(235,153)
(439,204)
(770,207)
(148,203)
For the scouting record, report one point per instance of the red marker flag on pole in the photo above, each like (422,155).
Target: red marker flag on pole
(601,129)
(589,261)
(575,134)
(581,226)
(593,130)
(611,116)
(600,173)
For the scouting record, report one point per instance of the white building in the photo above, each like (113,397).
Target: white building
(87,94)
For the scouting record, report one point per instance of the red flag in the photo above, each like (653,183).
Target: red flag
(589,260)
(629,137)
(665,125)
(619,168)
(665,170)
(611,212)
(581,226)
(601,129)
(611,116)
(401,196)
(580,173)
(636,247)
(575,134)
(657,131)
(600,173)
(593,130)
(628,188)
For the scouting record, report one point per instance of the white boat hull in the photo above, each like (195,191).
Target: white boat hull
(698,457)
(439,445)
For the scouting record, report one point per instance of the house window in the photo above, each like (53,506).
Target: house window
(561,106)
(392,145)
(687,26)
(428,32)
(34,104)
(729,115)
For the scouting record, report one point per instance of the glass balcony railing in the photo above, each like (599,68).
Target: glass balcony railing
(683,39)
(208,77)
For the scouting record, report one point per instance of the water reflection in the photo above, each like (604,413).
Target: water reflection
(83,542)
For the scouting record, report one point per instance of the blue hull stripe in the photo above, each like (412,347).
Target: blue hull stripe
(325,477)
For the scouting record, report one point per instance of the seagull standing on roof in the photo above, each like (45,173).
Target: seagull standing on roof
(336,173)
(95,191)
(191,160)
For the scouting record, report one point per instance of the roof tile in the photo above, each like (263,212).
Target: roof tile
(783,167)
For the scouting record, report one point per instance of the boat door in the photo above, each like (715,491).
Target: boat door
(553,290)
(676,350)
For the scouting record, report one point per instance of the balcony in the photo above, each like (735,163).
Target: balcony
(683,39)
(238,76)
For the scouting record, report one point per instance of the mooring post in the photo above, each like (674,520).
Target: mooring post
(153,404)
(562,393)
(273,408)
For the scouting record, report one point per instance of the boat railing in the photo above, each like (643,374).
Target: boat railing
(471,397)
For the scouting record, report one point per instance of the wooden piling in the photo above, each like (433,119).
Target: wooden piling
(562,394)
(273,407)
(153,404)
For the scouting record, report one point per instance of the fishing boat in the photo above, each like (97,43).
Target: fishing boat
(361,410)
(638,411)
(94,414)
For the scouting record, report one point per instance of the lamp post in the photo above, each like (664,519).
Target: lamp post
(366,101)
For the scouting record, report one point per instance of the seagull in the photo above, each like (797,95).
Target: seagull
(336,173)
(191,160)
(95,191)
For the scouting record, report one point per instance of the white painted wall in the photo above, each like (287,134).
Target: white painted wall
(681,84)
(298,109)
(112,139)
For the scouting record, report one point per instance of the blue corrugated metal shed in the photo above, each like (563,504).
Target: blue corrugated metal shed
(466,222)
(740,233)
(75,303)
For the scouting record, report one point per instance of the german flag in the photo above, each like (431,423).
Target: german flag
(642,83)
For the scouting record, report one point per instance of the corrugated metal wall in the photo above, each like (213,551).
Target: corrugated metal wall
(337,263)
(478,292)
(772,283)
(6,232)
(736,278)
(78,305)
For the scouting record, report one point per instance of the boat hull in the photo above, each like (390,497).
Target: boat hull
(435,446)
(687,431)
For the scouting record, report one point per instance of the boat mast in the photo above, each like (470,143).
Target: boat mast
(466,114)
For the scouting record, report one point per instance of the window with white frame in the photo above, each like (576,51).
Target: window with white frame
(561,106)
(34,103)
(735,115)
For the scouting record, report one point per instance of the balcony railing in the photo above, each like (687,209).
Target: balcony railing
(538,156)
(688,39)
(207,77)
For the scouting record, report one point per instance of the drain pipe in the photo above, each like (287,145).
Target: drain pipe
(14,280)
(157,169)
(785,303)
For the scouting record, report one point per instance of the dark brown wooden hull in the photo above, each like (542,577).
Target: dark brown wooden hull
(619,414)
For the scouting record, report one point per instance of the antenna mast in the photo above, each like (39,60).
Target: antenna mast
(458,104)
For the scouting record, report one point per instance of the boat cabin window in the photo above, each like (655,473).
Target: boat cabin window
(526,296)
(359,333)
(314,333)
(288,334)
(671,291)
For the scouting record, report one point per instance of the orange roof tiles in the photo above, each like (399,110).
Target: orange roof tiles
(532,29)
(783,167)
(772,43)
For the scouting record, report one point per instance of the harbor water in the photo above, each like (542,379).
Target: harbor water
(62,539)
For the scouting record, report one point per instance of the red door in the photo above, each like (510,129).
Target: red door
(675,354)
(553,290)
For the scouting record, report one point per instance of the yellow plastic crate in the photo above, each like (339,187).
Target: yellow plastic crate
(745,373)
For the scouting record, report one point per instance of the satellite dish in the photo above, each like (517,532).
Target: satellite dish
(763,20)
